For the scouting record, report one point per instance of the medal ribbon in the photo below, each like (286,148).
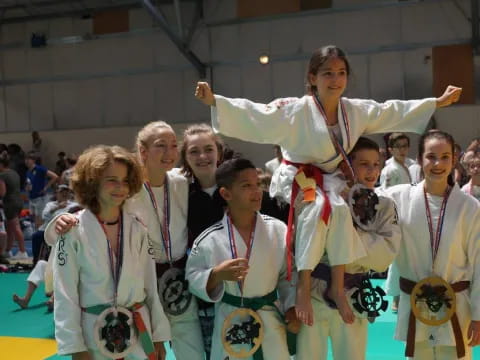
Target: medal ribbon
(435,239)
(233,246)
(338,147)
(165,225)
(115,267)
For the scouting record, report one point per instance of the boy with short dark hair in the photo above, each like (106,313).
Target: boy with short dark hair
(375,220)
(240,262)
(396,170)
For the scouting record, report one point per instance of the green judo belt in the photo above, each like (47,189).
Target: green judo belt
(250,331)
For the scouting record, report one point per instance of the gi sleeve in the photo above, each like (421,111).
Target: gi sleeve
(198,271)
(383,244)
(160,324)
(398,115)
(286,289)
(473,253)
(271,123)
(50,234)
(67,314)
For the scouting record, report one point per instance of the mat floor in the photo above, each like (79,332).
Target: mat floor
(29,334)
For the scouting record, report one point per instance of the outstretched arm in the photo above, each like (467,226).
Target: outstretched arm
(204,93)
(450,96)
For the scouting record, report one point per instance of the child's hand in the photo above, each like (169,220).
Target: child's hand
(293,323)
(64,223)
(450,96)
(473,333)
(160,350)
(231,270)
(204,93)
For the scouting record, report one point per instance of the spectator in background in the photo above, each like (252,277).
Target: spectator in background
(460,175)
(272,165)
(61,164)
(17,162)
(66,175)
(12,204)
(36,142)
(39,180)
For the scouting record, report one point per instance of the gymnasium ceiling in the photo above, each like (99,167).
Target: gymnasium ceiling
(12,11)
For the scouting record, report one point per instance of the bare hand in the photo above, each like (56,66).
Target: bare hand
(64,223)
(160,350)
(204,93)
(293,323)
(231,270)
(450,96)
(473,333)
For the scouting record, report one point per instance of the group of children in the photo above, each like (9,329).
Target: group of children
(151,236)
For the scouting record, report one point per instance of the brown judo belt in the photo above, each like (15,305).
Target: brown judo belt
(407,286)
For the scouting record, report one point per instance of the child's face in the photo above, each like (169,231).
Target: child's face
(474,166)
(331,78)
(437,160)
(366,165)
(400,150)
(202,155)
(114,188)
(161,152)
(245,193)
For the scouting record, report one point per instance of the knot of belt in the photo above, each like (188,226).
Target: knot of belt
(162,267)
(407,287)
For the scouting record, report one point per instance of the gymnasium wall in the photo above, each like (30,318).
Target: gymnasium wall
(117,82)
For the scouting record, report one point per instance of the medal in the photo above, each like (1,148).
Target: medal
(114,330)
(432,299)
(363,203)
(242,326)
(172,286)
(368,301)
(173,290)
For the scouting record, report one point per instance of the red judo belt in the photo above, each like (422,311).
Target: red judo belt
(407,286)
(315,173)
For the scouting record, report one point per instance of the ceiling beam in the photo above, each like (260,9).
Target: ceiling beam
(162,22)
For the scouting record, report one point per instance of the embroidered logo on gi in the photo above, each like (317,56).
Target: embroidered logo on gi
(151,250)
(61,254)
(242,327)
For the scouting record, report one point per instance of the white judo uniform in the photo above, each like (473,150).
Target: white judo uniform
(395,173)
(187,340)
(298,127)
(473,190)
(349,340)
(83,278)
(458,259)
(267,271)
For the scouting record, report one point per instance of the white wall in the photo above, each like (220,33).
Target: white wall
(119,82)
